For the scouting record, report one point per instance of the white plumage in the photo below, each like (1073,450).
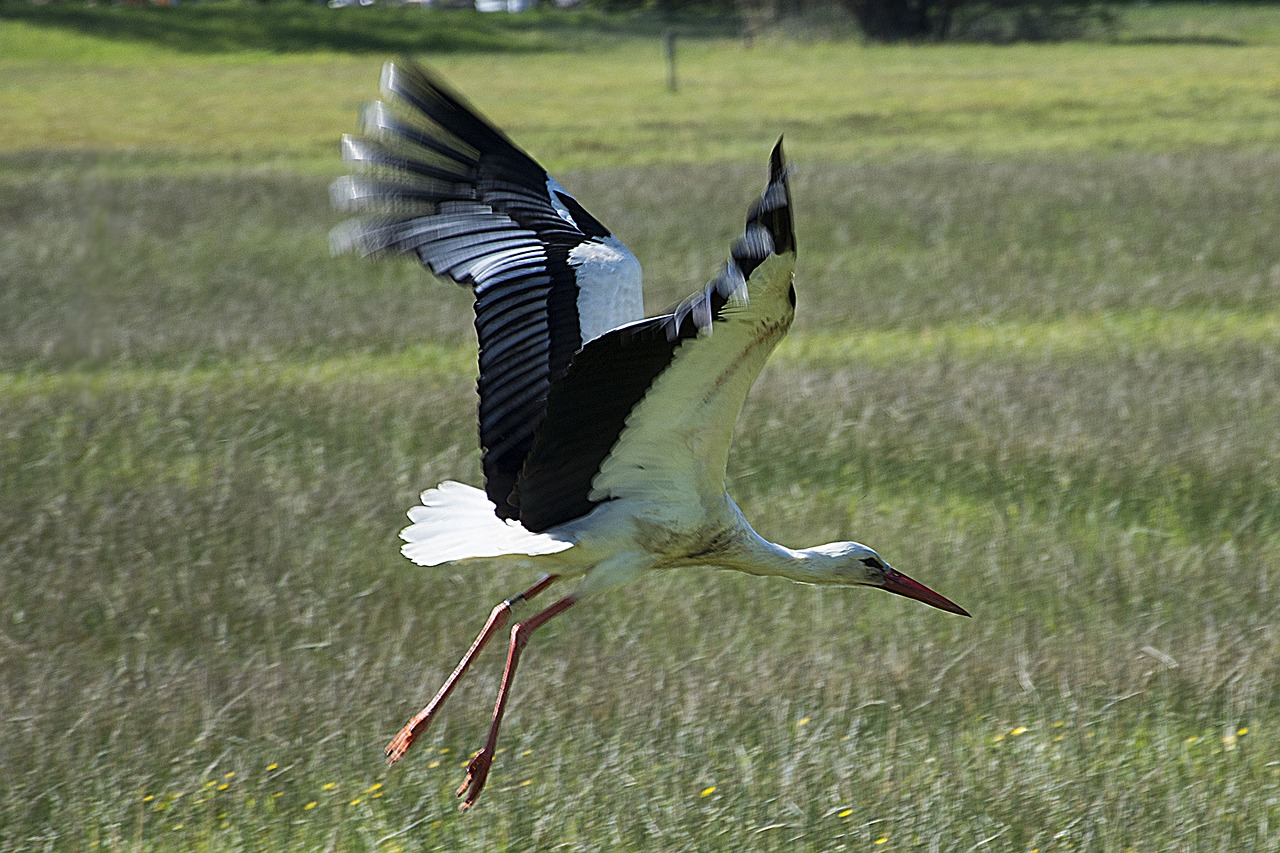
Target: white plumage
(604,436)
(457,522)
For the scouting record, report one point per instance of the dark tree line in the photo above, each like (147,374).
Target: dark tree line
(915,20)
(990,20)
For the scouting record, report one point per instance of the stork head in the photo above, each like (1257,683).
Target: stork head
(854,564)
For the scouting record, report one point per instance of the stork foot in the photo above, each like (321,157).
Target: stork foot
(477,774)
(400,743)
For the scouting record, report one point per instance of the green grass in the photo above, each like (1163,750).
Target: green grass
(1036,365)
(123,96)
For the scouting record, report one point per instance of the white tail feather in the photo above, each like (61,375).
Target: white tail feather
(457,522)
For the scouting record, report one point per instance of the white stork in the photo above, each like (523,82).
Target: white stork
(604,435)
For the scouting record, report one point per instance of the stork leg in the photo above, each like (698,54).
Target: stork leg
(478,770)
(497,619)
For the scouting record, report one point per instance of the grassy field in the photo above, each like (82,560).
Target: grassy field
(1036,365)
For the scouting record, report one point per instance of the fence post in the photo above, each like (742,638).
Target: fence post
(669,51)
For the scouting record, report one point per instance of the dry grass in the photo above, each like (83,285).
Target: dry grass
(203,476)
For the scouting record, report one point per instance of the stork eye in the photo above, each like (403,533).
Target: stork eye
(872,562)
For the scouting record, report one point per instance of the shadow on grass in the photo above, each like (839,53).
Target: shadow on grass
(224,28)
(1183,41)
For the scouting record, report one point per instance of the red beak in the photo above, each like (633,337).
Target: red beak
(899,584)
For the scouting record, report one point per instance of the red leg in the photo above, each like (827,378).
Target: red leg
(478,770)
(497,619)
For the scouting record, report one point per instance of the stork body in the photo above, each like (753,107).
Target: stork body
(605,436)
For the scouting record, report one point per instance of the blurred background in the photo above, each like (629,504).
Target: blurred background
(1036,364)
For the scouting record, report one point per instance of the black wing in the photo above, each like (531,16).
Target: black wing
(443,183)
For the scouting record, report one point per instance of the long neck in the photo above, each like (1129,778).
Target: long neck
(755,555)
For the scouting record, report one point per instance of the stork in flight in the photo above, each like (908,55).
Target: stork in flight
(604,435)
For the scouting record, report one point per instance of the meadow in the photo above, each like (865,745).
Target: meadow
(1036,365)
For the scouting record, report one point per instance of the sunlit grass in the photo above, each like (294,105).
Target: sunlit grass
(1084,339)
(1095,339)
(365,369)
(215,534)
(835,101)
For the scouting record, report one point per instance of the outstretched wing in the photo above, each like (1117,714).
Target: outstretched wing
(439,181)
(647,411)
